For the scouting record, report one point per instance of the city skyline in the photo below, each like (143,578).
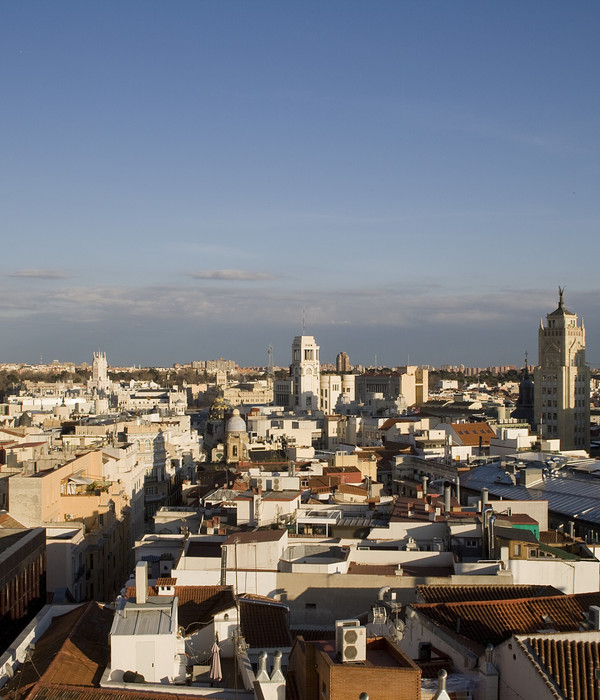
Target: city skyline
(179,183)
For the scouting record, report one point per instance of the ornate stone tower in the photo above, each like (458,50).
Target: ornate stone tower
(306,373)
(562,380)
(99,368)
(236,438)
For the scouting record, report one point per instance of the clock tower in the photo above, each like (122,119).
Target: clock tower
(562,380)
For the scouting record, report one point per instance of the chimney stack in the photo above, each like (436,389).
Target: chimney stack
(447,498)
(141,582)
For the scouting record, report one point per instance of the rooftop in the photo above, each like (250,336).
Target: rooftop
(461,594)
(569,663)
(569,494)
(494,621)
(153,617)
(255,537)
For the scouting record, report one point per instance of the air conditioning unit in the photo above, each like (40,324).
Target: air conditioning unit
(351,641)
(276,485)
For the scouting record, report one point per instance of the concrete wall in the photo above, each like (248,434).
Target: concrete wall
(320,599)
(567,576)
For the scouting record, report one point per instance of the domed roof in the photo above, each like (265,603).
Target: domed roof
(236,424)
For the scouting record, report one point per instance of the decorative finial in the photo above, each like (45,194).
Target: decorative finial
(561,291)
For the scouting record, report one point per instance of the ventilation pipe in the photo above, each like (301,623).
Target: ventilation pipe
(458,489)
(262,674)
(424,481)
(382,591)
(491,536)
(441,693)
(277,675)
(484,498)
(571,529)
(446,498)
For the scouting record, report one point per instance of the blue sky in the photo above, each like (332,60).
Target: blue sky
(179,180)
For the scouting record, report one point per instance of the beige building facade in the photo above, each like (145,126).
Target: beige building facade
(562,380)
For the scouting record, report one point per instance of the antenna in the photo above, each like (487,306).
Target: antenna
(303,322)
(270,370)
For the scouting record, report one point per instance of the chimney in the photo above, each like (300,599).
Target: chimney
(441,692)
(424,485)
(446,498)
(277,675)
(484,499)
(262,674)
(141,582)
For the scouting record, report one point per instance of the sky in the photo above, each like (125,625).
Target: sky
(193,179)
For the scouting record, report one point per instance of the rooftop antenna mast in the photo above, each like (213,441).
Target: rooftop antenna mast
(303,321)
(271,370)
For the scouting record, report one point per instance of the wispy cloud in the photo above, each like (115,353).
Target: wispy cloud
(399,307)
(232,275)
(40,274)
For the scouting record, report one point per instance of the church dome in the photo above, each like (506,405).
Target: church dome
(236,424)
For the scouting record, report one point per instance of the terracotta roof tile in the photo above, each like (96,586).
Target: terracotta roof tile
(63,692)
(74,651)
(570,663)
(264,625)
(484,622)
(7,521)
(458,594)
(313,635)
(256,536)
(471,433)
(166,581)
(351,489)
(197,604)
(373,569)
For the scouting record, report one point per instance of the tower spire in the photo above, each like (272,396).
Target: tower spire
(561,303)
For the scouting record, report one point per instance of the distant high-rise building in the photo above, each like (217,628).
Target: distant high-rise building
(342,362)
(562,380)
(305,373)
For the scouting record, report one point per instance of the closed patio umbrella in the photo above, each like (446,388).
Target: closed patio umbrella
(215,673)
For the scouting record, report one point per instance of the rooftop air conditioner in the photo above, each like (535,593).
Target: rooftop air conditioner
(351,641)
(354,644)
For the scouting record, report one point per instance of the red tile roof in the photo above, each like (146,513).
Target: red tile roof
(484,622)
(570,664)
(461,594)
(7,521)
(166,581)
(264,624)
(373,569)
(63,692)
(73,652)
(197,604)
(471,433)
(350,489)
(256,536)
